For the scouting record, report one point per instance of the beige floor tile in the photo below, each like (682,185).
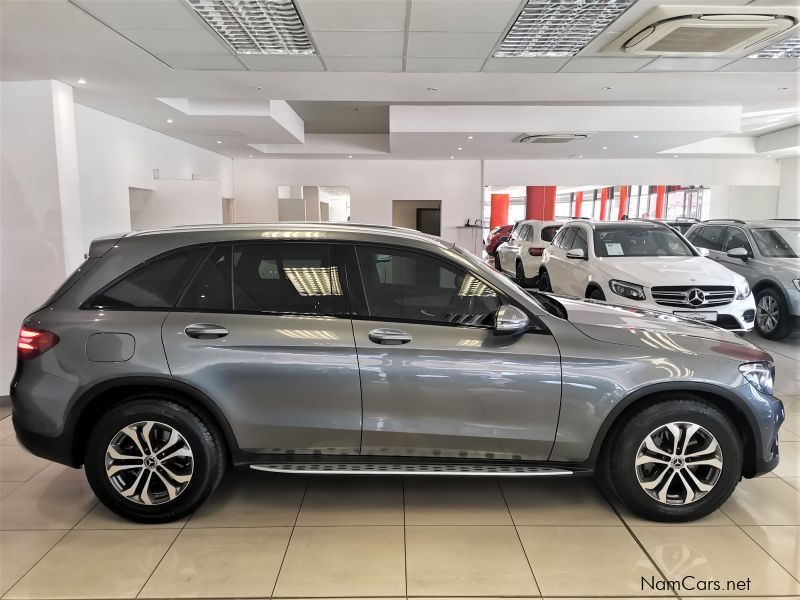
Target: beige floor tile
(54,505)
(252,500)
(17,464)
(92,564)
(460,561)
(789,464)
(542,501)
(54,472)
(455,501)
(786,381)
(220,562)
(764,501)
(348,500)
(7,435)
(599,562)
(20,550)
(787,436)
(715,553)
(792,481)
(6,487)
(343,561)
(102,518)
(781,543)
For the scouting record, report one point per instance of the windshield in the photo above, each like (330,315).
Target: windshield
(634,240)
(778,242)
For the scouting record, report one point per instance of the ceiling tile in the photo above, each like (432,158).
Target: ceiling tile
(749,65)
(524,65)
(444,65)
(604,65)
(276,62)
(204,62)
(359,43)
(686,64)
(353,15)
(424,43)
(364,64)
(179,41)
(462,15)
(140,14)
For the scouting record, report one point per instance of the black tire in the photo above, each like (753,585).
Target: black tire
(203,439)
(596,294)
(497,265)
(544,282)
(770,299)
(617,470)
(520,275)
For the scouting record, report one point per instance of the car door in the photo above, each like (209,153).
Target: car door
(510,250)
(711,238)
(263,330)
(559,268)
(580,268)
(737,238)
(435,379)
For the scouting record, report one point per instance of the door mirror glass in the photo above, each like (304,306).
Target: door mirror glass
(738,253)
(576,253)
(703,251)
(510,320)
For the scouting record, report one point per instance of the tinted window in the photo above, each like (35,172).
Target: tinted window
(210,289)
(401,285)
(154,285)
(737,238)
(286,278)
(636,240)
(709,237)
(566,239)
(527,233)
(549,232)
(580,242)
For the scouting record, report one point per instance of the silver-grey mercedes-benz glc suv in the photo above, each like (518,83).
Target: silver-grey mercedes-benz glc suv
(322,348)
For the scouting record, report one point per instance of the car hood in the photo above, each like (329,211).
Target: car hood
(628,326)
(790,265)
(668,270)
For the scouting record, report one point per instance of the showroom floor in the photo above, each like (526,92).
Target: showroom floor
(284,536)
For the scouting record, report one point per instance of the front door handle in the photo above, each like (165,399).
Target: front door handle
(205,331)
(389,337)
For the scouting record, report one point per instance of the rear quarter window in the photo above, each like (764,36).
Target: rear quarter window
(549,232)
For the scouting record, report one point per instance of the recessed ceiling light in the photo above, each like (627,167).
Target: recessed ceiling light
(452,157)
(559,27)
(674,156)
(788,48)
(782,89)
(469,137)
(249,156)
(580,155)
(349,156)
(219,141)
(605,147)
(460,148)
(433,89)
(257,88)
(169,120)
(769,155)
(256,26)
(607,88)
(635,136)
(82,81)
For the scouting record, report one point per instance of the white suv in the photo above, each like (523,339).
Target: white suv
(521,255)
(645,265)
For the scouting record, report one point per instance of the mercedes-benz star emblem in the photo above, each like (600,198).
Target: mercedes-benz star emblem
(695,297)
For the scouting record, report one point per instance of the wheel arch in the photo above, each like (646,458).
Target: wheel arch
(764,284)
(591,286)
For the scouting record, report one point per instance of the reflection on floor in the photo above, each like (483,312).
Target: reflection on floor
(283,536)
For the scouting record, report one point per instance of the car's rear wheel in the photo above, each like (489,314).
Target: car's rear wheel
(152,460)
(773,320)
(544,282)
(497,264)
(677,460)
(520,275)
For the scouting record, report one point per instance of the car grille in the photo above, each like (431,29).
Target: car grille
(700,296)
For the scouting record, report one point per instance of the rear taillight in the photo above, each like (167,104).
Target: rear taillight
(535,251)
(32,342)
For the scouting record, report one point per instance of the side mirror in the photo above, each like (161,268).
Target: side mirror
(738,253)
(510,320)
(577,253)
(703,251)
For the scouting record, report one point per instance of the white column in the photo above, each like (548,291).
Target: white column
(40,221)
(789,192)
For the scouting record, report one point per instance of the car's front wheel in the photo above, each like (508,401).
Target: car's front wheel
(676,460)
(773,320)
(153,460)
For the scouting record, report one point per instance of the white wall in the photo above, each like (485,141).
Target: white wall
(176,202)
(373,185)
(115,155)
(749,202)
(789,193)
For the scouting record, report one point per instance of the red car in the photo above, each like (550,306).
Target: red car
(496,237)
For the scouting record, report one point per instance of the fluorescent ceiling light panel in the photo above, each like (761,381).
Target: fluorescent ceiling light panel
(256,26)
(559,27)
(788,48)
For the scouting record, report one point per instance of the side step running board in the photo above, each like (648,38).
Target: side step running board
(411,469)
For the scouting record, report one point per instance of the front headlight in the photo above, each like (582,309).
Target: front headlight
(796,283)
(760,375)
(627,290)
(742,291)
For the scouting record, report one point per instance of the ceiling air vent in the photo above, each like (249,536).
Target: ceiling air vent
(550,138)
(689,31)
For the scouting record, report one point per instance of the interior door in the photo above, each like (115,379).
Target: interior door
(435,380)
(273,347)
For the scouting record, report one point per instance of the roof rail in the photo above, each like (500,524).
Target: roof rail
(723,221)
(784,219)
(654,221)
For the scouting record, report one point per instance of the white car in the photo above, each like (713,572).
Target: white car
(647,265)
(521,256)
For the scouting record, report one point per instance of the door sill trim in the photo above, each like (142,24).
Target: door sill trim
(493,470)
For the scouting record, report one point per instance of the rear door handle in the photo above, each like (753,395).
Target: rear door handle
(389,337)
(205,331)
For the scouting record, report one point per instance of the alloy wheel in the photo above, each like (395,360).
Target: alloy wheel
(678,463)
(767,313)
(149,462)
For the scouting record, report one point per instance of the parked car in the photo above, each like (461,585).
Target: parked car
(645,264)
(497,236)
(766,254)
(682,224)
(320,348)
(521,256)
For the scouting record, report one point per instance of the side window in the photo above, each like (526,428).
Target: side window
(710,237)
(580,242)
(402,285)
(153,286)
(549,232)
(210,289)
(286,278)
(737,238)
(566,239)
(558,237)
